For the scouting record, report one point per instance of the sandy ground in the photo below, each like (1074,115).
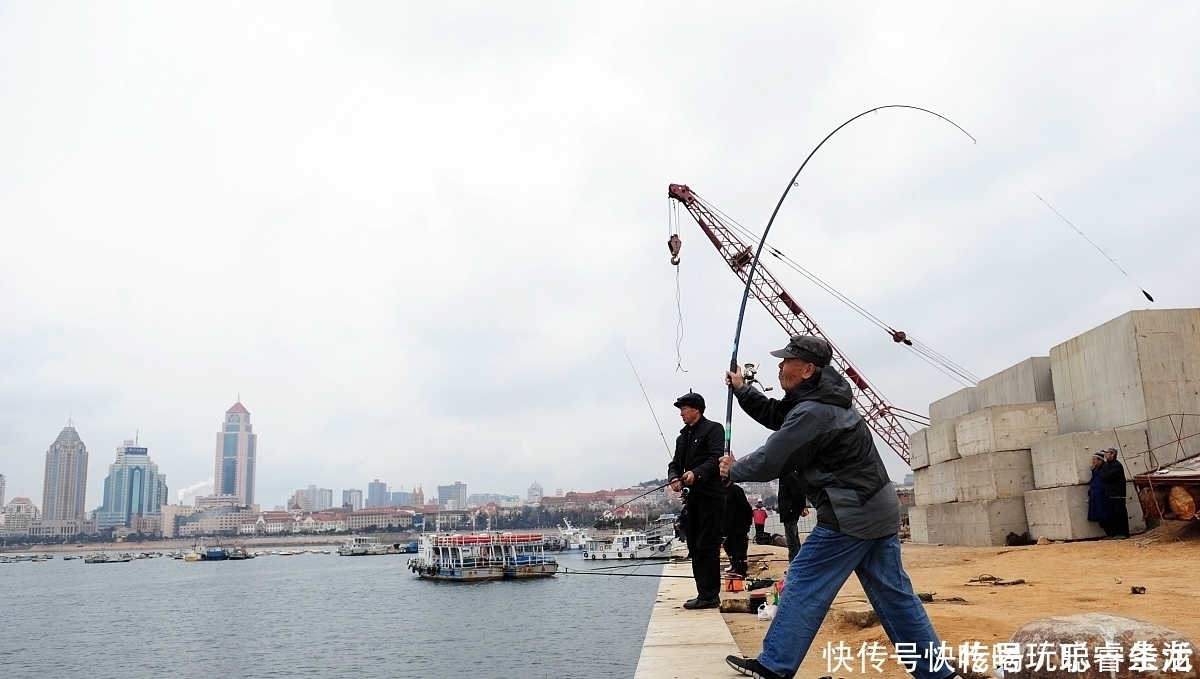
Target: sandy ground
(1060,579)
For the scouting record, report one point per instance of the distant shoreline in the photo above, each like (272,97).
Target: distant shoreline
(186,543)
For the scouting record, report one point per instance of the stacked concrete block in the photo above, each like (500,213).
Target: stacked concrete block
(922,487)
(1139,367)
(1061,513)
(943,483)
(918,451)
(1002,475)
(1026,382)
(918,525)
(997,428)
(959,403)
(941,524)
(941,442)
(1066,460)
(988,522)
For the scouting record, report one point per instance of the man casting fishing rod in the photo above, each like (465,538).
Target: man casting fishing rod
(695,469)
(825,439)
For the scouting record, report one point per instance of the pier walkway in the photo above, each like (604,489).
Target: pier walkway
(683,644)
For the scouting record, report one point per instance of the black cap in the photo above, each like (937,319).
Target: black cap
(690,399)
(807,348)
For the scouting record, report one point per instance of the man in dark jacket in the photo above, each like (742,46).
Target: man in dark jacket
(1112,473)
(695,470)
(792,506)
(826,441)
(736,528)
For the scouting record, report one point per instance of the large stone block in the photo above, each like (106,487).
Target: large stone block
(1026,382)
(1092,631)
(1066,460)
(1004,428)
(943,483)
(918,451)
(922,486)
(941,443)
(1139,367)
(918,525)
(959,403)
(988,522)
(994,476)
(942,524)
(1061,513)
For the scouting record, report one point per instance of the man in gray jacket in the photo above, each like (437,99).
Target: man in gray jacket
(826,441)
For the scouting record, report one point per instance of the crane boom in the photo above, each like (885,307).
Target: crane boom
(767,289)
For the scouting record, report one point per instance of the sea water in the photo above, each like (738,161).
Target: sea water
(313,615)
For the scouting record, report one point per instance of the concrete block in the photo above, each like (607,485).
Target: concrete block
(1066,460)
(943,484)
(1061,513)
(1139,367)
(940,442)
(918,526)
(942,524)
(922,487)
(959,403)
(918,451)
(1026,382)
(988,522)
(1001,475)
(1005,428)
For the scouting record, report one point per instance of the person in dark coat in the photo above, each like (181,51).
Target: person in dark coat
(1113,474)
(1097,499)
(792,505)
(826,440)
(736,528)
(696,470)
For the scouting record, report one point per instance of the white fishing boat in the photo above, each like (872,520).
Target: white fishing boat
(570,537)
(629,545)
(483,556)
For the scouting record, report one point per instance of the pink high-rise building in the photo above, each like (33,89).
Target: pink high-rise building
(236,445)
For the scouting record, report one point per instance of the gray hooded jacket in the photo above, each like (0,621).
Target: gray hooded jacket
(826,440)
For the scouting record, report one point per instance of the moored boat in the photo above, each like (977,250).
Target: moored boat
(629,545)
(483,556)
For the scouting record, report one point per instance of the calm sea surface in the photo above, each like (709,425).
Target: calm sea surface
(312,615)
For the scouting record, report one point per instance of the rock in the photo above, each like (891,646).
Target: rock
(1043,541)
(859,615)
(1098,629)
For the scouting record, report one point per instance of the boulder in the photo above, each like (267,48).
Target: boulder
(1098,629)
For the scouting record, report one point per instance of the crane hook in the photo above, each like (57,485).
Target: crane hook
(674,245)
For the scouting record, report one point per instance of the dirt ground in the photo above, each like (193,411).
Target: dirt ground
(1060,579)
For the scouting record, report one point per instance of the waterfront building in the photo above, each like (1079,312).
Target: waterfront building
(18,515)
(133,488)
(377,494)
(1,490)
(170,515)
(352,498)
(66,476)
(210,501)
(481,499)
(453,496)
(535,494)
(319,498)
(382,519)
(216,521)
(61,528)
(236,456)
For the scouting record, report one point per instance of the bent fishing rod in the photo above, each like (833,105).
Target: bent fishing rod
(737,335)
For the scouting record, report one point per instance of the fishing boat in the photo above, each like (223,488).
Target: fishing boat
(358,545)
(570,537)
(629,545)
(101,557)
(482,556)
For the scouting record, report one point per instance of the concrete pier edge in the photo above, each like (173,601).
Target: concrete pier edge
(683,644)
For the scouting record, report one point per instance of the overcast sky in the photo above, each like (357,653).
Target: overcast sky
(415,237)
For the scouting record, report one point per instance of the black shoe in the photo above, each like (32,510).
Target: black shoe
(751,668)
(698,603)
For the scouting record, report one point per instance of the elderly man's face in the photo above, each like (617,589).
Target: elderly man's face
(793,372)
(689,415)
(1109,456)
(1096,462)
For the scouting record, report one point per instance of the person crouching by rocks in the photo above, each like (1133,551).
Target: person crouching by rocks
(828,442)
(695,468)
(737,528)
(760,524)
(1097,498)
(1113,473)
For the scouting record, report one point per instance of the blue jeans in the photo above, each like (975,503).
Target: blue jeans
(814,578)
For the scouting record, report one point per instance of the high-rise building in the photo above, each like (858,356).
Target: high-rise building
(301,501)
(319,498)
(1,490)
(66,477)
(133,488)
(352,498)
(535,493)
(18,514)
(453,496)
(378,495)
(401,498)
(236,455)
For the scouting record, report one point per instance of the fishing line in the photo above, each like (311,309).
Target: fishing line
(1068,222)
(648,405)
(737,336)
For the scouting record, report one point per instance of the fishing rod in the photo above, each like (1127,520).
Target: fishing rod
(651,407)
(737,335)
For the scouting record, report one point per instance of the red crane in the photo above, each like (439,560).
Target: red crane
(787,312)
